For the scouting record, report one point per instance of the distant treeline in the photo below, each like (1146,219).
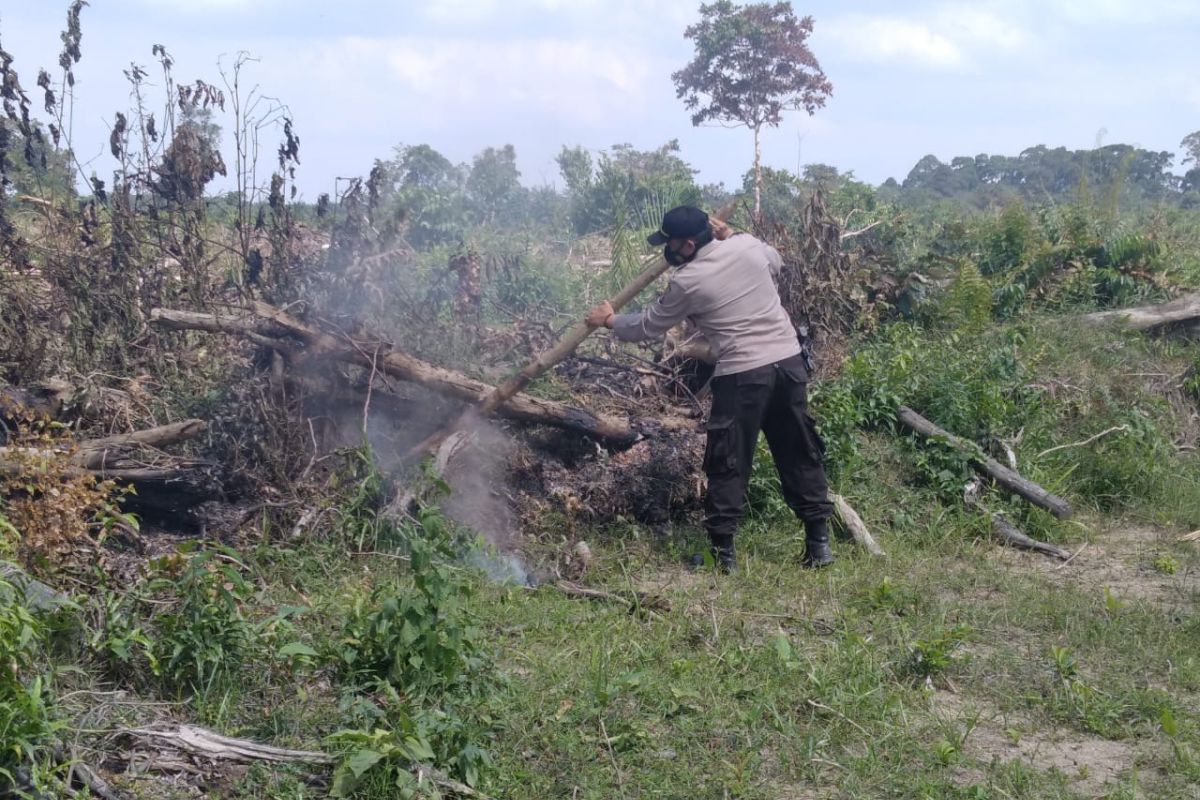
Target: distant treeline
(1042,173)
(438,201)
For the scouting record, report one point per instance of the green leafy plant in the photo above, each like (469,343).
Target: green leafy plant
(27,718)
(205,635)
(416,669)
(119,637)
(946,752)
(388,757)
(1075,700)
(1167,564)
(933,656)
(887,596)
(417,640)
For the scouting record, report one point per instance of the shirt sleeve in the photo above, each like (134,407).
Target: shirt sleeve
(774,260)
(656,319)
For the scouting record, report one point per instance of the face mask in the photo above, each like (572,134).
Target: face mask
(676,259)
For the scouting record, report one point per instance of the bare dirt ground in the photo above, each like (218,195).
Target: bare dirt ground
(1090,764)
(1121,560)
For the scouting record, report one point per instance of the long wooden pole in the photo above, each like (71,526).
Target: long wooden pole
(544,361)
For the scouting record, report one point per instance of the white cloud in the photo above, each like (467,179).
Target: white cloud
(597,12)
(882,38)
(1106,12)
(198,5)
(946,36)
(973,27)
(582,80)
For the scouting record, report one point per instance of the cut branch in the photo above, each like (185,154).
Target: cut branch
(851,234)
(275,328)
(1004,476)
(856,527)
(1005,530)
(1088,440)
(206,744)
(1012,535)
(637,600)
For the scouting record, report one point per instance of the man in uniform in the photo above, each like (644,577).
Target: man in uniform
(725,284)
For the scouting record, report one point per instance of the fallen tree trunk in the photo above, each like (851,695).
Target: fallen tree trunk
(94,453)
(1184,309)
(150,437)
(180,473)
(1004,476)
(167,494)
(44,401)
(108,451)
(273,327)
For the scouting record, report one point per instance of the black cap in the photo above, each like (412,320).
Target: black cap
(681,222)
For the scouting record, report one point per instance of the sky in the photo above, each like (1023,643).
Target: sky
(361,77)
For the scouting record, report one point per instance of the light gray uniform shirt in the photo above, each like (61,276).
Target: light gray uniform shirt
(728,291)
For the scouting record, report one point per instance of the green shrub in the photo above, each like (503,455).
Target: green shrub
(416,669)
(973,385)
(205,635)
(27,719)
(119,638)
(419,640)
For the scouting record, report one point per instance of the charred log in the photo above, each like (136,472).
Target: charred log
(166,495)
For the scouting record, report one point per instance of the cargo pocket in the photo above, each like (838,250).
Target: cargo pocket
(811,424)
(754,388)
(720,448)
(793,369)
(814,445)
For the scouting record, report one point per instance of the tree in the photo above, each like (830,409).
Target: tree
(1190,183)
(575,164)
(625,185)
(779,195)
(752,62)
(1191,144)
(494,184)
(427,190)
(44,172)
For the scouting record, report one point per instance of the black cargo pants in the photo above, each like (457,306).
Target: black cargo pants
(773,399)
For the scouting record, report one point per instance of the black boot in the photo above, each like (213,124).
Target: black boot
(723,552)
(816,545)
